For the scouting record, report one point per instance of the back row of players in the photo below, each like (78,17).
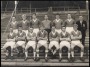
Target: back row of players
(46,33)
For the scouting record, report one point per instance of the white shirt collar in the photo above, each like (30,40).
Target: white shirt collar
(34,19)
(57,20)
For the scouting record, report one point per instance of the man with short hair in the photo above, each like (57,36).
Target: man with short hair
(54,40)
(31,37)
(82,26)
(14,25)
(35,23)
(75,37)
(69,22)
(24,23)
(42,41)
(65,41)
(58,23)
(47,25)
(10,42)
(20,38)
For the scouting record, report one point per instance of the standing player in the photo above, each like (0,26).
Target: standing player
(42,41)
(31,37)
(14,24)
(65,41)
(75,37)
(58,23)
(24,23)
(47,25)
(20,38)
(82,26)
(69,22)
(54,40)
(10,42)
(35,23)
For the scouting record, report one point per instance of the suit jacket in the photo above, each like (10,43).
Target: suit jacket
(82,27)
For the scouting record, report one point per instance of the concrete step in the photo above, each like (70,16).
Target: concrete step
(43,63)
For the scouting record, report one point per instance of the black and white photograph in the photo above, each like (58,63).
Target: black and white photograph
(45,33)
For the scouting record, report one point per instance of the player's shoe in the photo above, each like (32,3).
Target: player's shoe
(73,59)
(46,59)
(60,59)
(37,59)
(25,58)
(82,59)
(69,59)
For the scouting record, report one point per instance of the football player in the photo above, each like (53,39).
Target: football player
(46,24)
(42,41)
(35,23)
(54,40)
(58,23)
(75,37)
(65,41)
(24,23)
(31,37)
(10,42)
(69,22)
(14,25)
(20,39)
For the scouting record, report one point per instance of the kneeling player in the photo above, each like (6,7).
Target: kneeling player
(76,36)
(42,41)
(54,40)
(65,41)
(20,38)
(31,37)
(10,42)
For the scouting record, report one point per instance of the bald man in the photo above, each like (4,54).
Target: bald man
(82,26)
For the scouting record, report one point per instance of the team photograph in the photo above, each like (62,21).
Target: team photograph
(45,33)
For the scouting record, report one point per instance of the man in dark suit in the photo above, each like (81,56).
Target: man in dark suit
(82,26)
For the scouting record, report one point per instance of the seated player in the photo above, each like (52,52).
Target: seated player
(75,37)
(10,42)
(65,41)
(42,41)
(54,40)
(31,37)
(20,38)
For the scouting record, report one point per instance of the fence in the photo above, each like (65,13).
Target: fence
(9,10)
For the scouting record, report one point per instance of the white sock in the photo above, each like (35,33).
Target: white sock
(37,55)
(46,55)
(34,54)
(26,54)
(60,54)
(72,53)
(82,54)
(68,55)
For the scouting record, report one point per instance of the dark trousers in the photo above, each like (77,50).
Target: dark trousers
(48,31)
(83,37)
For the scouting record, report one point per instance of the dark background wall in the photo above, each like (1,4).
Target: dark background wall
(42,4)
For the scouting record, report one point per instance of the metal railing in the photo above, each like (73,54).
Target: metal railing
(8,10)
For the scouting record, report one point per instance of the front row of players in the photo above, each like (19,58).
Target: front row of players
(57,40)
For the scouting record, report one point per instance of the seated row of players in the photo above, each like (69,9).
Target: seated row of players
(66,39)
